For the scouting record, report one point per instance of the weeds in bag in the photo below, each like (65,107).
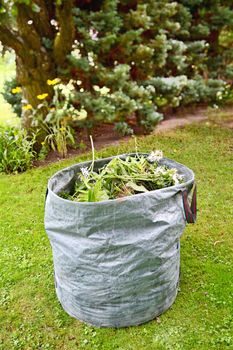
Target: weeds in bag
(123,177)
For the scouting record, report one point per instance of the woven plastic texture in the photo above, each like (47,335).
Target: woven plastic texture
(116,262)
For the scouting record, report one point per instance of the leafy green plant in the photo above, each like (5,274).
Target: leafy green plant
(123,129)
(13,95)
(60,115)
(123,177)
(58,137)
(16,150)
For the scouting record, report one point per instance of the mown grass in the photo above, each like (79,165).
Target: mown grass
(202,316)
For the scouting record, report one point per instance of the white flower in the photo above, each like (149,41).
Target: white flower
(53,22)
(219,95)
(85,172)
(93,34)
(155,156)
(90,57)
(150,88)
(66,90)
(160,170)
(80,115)
(103,91)
(76,54)
(96,87)
(78,82)
(177,178)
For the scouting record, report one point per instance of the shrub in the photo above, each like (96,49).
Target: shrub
(114,47)
(122,128)
(12,94)
(134,58)
(131,58)
(16,150)
(176,91)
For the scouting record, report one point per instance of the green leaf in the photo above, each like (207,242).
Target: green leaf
(135,187)
(2,9)
(35,8)
(14,10)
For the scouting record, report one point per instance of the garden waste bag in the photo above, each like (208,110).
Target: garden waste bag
(117,262)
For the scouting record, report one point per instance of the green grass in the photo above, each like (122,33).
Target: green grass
(202,316)
(7,70)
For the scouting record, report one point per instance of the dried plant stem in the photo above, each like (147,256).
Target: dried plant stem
(93,154)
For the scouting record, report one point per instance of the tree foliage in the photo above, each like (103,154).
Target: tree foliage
(212,21)
(122,58)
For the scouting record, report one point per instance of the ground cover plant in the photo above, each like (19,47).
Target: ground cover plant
(201,317)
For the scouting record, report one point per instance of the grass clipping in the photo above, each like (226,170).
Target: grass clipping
(123,177)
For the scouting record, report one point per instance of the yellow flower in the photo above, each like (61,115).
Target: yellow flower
(42,96)
(16,90)
(27,107)
(62,129)
(53,81)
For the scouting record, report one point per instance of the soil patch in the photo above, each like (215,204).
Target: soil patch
(105,135)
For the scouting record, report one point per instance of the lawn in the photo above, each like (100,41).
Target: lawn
(202,316)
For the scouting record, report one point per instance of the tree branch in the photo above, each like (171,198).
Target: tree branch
(40,20)
(27,31)
(11,38)
(65,37)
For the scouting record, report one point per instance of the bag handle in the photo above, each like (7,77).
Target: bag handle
(46,194)
(190,211)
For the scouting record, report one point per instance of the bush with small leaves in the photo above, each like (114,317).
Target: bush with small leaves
(122,128)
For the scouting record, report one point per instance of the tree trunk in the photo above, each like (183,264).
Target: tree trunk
(34,63)
(37,62)
(213,41)
(32,75)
